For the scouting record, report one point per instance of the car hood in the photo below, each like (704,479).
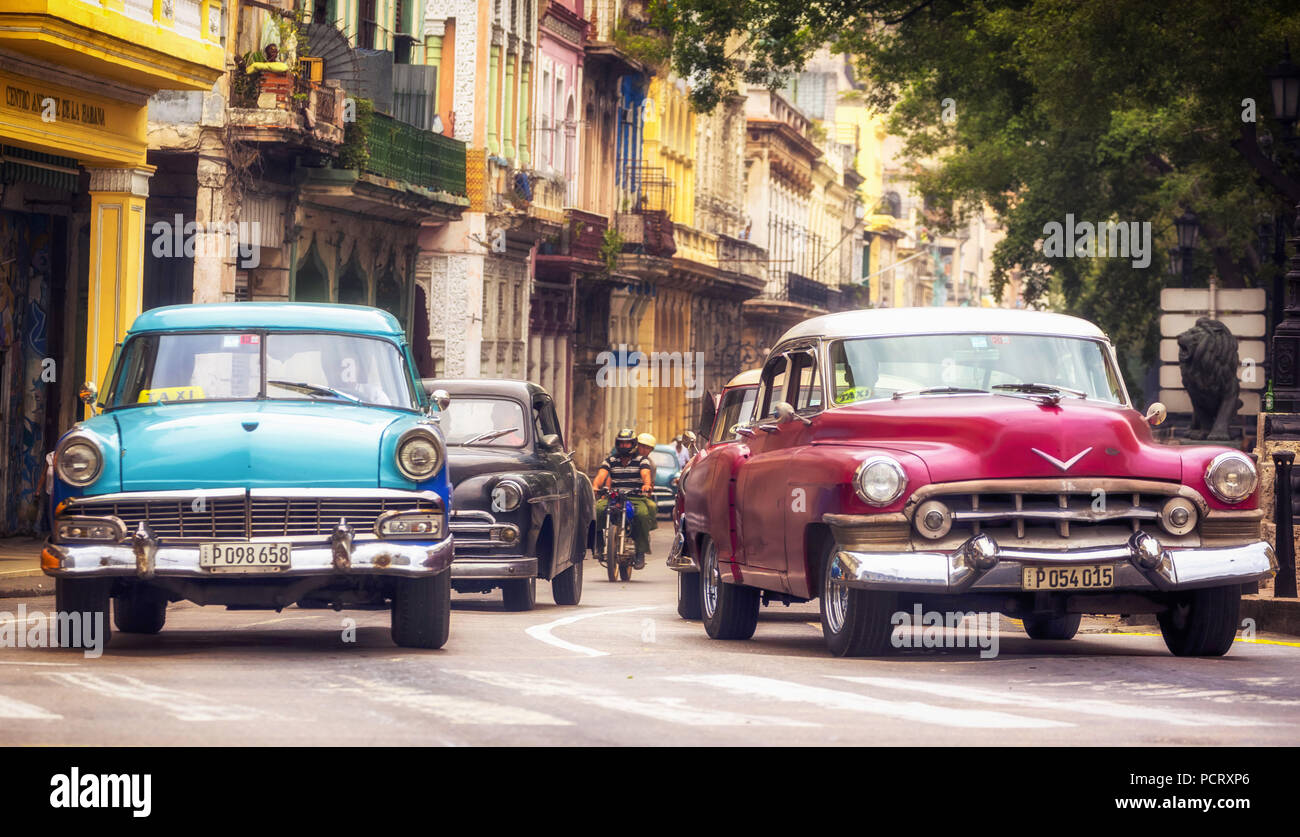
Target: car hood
(990,437)
(252,444)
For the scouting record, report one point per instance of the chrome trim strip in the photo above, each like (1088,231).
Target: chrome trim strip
(473,514)
(544,497)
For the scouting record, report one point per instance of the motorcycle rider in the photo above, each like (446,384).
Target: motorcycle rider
(626,469)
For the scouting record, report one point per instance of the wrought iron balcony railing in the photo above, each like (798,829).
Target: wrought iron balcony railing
(421,158)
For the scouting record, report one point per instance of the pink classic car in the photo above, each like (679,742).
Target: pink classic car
(964,460)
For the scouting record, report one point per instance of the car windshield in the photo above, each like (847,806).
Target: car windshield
(872,368)
(486,422)
(229,365)
(663,461)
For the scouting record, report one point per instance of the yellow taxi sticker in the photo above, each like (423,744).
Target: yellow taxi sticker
(161,394)
(848,396)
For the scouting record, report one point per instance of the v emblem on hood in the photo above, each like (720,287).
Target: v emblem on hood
(1067,464)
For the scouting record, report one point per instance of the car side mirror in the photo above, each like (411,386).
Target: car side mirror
(785,412)
(551,441)
(441,398)
(89,394)
(1156,414)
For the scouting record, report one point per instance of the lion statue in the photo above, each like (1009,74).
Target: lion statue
(1207,358)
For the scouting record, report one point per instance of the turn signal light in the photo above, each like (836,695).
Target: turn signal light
(412,525)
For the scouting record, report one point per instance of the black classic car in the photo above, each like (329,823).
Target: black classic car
(521,510)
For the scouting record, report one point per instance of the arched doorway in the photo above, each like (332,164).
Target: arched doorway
(420,348)
(352,284)
(312,281)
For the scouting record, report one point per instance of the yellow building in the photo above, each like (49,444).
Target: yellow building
(77,76)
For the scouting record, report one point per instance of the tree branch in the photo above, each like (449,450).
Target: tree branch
(1247,146)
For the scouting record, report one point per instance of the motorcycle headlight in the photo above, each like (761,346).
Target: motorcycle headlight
(419,454)
(1231,476)
(880,480)
(79,462)
(507,495)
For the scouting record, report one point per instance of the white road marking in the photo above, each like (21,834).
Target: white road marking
(542,633)
(11,708)
(31,663)
(671,709)
(791,692)
(450,708)
(1132,712)
(183,706)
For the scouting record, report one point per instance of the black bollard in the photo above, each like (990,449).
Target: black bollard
(1284,585)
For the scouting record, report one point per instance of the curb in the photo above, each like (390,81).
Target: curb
(26,586)
(1279,616)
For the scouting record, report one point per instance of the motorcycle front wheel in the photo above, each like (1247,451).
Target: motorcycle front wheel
(611,552)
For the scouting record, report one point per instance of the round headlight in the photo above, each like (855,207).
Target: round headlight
(880,480)
(419,455)
(1231,476)
(79,462)
(1178,516)
(507,495)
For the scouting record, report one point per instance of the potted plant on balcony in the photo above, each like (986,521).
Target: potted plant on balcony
(273,77)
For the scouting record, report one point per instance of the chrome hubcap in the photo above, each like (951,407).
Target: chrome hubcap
(712,578)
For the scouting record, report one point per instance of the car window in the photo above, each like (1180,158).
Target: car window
(663,461)
(772,384)
(163,368)
(366,369)
(736,407)
(546,420)
(807,382)
(483,421)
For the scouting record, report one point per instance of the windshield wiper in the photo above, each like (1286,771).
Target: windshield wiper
(489,436)
(938,391)
(313,389)
(1041,389)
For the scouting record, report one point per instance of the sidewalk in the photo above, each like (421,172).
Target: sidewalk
(20,568)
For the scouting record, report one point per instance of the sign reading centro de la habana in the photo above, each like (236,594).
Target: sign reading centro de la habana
(50,106)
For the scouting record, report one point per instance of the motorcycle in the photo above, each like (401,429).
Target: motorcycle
(618,546)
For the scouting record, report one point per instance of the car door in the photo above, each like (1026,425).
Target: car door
(565,502)
(803,474)
(760,488)
(707,484)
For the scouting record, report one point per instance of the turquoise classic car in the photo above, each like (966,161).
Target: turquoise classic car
(256,455)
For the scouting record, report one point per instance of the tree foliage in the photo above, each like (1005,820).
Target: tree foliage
(1123,110)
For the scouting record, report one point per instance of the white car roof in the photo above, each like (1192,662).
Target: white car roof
(879,322)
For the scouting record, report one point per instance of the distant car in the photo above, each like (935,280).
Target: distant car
(966,459)
(522,510)
(667,467)
(255,455)
(734,409)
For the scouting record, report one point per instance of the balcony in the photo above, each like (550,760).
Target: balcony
(282,108)
(648,233)
(402,152)
(549,197)
(174,45)
(696,246)
(743,258)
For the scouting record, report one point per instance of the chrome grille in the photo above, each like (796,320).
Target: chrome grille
(238,518)
(1085,513)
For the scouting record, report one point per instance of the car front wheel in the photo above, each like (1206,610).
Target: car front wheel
(688,595)
(566,588)
(141,611)
(519,594)
(87,597)
(855,623)
(729,611)
(1052,627)
(422,611)
(1202,623)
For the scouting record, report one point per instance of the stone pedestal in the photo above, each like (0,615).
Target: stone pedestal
(1272,435)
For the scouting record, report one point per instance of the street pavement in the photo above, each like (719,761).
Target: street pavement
(623,669)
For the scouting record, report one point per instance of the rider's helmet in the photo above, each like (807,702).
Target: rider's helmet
(625,441)
(646,439)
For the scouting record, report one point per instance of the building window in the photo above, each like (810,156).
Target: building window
(366,24)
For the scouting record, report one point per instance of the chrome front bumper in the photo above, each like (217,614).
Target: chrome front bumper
(980,565)
(476,567)
(341,556)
